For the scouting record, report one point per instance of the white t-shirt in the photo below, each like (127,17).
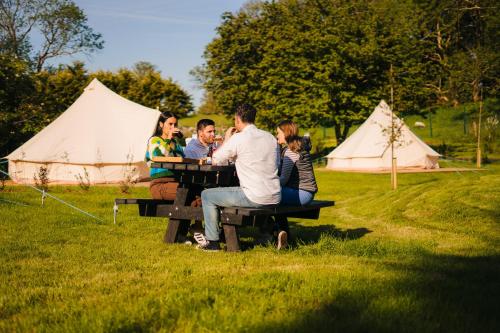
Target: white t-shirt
(256,154)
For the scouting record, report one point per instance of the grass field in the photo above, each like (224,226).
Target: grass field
(424,258)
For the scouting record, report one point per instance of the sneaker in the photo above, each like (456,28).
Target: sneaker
(199,238)
(282,240)
(211,246)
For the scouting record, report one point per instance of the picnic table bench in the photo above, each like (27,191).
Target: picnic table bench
(192,180)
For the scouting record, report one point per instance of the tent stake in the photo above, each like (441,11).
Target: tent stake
(44,195)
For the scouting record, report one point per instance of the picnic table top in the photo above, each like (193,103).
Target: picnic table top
(179,166)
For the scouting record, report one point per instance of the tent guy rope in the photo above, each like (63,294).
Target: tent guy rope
(46,194)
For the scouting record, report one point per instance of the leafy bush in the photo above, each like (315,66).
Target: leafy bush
(42,178)
(83,181)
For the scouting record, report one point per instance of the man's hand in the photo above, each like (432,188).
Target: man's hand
(230,131)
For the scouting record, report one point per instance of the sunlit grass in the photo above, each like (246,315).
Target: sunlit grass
(422,258)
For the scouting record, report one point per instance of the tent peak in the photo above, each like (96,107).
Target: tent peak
(95,83)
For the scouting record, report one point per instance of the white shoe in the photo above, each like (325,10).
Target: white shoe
(282,240)
(200,239)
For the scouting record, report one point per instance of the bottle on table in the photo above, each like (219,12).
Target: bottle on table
(210,154)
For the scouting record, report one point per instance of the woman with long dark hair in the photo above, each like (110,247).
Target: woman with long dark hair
(165,142)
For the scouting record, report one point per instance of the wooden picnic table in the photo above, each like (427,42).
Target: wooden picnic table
(194,178)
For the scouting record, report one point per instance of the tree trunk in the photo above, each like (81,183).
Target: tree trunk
(338,133)
(345,131)
(341,133)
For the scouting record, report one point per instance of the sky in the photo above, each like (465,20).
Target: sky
(171,34)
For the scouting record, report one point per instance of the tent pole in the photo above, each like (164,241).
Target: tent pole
(394,179)
(478,156)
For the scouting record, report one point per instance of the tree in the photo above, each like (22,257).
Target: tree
(209,105)
(145,85)
(461,38)
(317,62)
(30,101)
(16,88)
(56,89)
(61,24)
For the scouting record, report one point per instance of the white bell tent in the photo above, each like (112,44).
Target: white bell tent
(368,147)
(101,134)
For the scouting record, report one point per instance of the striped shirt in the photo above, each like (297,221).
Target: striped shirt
(297,171)
(157,146)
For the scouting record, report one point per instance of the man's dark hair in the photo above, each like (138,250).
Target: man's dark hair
(202,123)
(246,113)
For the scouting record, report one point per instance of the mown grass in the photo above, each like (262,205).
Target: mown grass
(220,120)
(447,136)
(423,258)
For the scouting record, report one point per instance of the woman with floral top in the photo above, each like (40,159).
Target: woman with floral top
(164,143)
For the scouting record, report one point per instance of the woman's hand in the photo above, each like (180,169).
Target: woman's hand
(173,133)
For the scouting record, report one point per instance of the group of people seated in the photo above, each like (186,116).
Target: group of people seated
(271,170)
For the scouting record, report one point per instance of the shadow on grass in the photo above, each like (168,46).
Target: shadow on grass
(429,294)
(250,237)
(312,234)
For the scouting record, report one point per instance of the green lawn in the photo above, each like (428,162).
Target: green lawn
(220,120)
(424,258)
(451,136)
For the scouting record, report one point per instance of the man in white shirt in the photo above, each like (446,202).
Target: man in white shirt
(199,147)
(256,156)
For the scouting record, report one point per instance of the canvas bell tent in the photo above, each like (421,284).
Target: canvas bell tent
(368,147)
(101,134)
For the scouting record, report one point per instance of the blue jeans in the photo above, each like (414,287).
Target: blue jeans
(295,197)
(222,197)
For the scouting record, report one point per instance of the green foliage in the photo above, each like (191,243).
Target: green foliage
(221,121)
(327,62)
(145,85)
(57,89)
(129,172)
(209,105)
(30,101)
(17,87)
(317,62)
(454,130)
(41,178)
(61,24)
(83,180)
(419,259)
(461,37)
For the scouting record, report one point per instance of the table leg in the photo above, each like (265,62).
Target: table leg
(175,227)
(232,241)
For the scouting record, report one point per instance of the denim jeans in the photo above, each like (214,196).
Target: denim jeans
(295,197)
(221,197)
